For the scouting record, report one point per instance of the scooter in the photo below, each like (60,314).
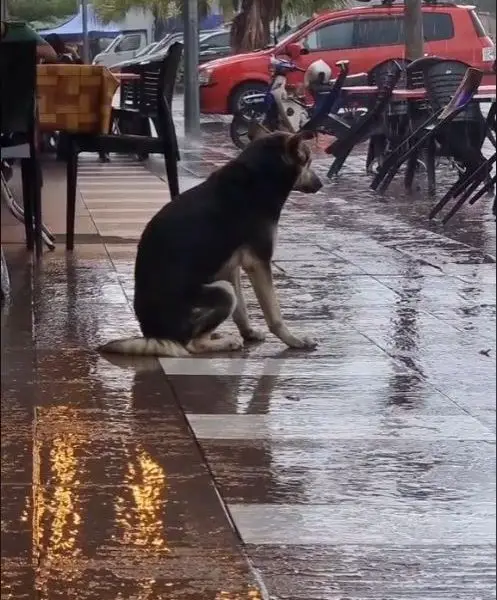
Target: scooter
(264,107)
(277,110)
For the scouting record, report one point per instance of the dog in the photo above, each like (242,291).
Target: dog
(187,271)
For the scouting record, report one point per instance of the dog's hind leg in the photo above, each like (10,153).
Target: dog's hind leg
(216,303)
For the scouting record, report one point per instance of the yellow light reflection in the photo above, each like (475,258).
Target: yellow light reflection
(56,519)
(66,520)
(142,523)
(252,594)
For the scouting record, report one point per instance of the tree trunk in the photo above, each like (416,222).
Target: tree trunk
(250,29)
(413,19)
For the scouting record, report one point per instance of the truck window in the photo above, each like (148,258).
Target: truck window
(335,36)
(129,43)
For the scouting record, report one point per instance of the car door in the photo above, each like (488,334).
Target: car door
(330,42)
(438,30)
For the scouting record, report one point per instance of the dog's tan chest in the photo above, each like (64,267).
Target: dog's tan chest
(242,258)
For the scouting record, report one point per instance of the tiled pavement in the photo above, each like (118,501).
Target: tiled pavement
(364,470)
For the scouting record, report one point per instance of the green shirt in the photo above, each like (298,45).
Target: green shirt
(17,31)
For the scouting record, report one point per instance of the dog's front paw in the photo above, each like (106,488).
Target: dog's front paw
(253,335)
(303,343)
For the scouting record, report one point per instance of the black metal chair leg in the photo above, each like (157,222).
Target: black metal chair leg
(72,178)
(458,205)
(27,196)
(145,130)
(37,212)
(371,155)
(458,188)
(487,188)
(431,149)
(337,164)
(386,177)
(172,172)
(412,164)
(403,149)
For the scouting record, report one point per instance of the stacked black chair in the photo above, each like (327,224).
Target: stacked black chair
(394,123)
(419,112)
(138,97)
(450,94)
(474,184)
(350,135)
(18,130)
(152,104)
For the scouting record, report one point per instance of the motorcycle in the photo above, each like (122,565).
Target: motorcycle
(263,107)
(277,110)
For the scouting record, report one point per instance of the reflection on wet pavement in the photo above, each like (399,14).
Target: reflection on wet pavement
(363,470)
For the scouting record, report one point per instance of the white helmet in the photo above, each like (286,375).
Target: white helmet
(317,72)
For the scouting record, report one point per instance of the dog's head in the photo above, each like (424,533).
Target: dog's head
(293,152)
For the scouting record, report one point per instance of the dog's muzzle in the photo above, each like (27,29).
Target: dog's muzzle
(308,182)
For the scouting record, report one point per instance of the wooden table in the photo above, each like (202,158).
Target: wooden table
(126,76)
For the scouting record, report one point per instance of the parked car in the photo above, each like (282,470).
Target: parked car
(365,36)
(212,44)
(125,46)
(147,50)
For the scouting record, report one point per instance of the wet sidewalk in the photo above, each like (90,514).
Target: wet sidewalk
(364,470)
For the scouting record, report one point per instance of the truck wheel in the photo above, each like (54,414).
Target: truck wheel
(251,87)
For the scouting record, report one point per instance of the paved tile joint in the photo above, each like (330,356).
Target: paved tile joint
(362,471)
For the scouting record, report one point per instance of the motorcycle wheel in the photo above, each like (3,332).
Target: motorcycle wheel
(239,128)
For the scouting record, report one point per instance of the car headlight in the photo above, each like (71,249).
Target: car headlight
(488,54)
(204,77)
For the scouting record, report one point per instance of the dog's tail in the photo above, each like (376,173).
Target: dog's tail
(140,346)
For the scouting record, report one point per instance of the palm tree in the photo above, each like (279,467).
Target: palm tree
(42,10)
(250,28)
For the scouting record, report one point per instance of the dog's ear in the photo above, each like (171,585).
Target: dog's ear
(256,130)
(297,149)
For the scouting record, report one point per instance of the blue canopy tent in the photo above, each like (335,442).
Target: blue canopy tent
(73,29)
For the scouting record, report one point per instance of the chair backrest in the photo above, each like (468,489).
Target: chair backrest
(465,91)
(157,80)
(379,74)
(18,77)
(443,79)
(164,95)
(386,86)
(416,71)
(416,80)
(171,66)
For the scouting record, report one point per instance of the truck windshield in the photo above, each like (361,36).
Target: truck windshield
(114,43)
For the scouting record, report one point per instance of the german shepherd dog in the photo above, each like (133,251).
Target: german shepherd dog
(187,272)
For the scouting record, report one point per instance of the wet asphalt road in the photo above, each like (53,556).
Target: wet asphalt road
(362,471)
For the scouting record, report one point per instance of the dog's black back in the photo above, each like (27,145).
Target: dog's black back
(190,239)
